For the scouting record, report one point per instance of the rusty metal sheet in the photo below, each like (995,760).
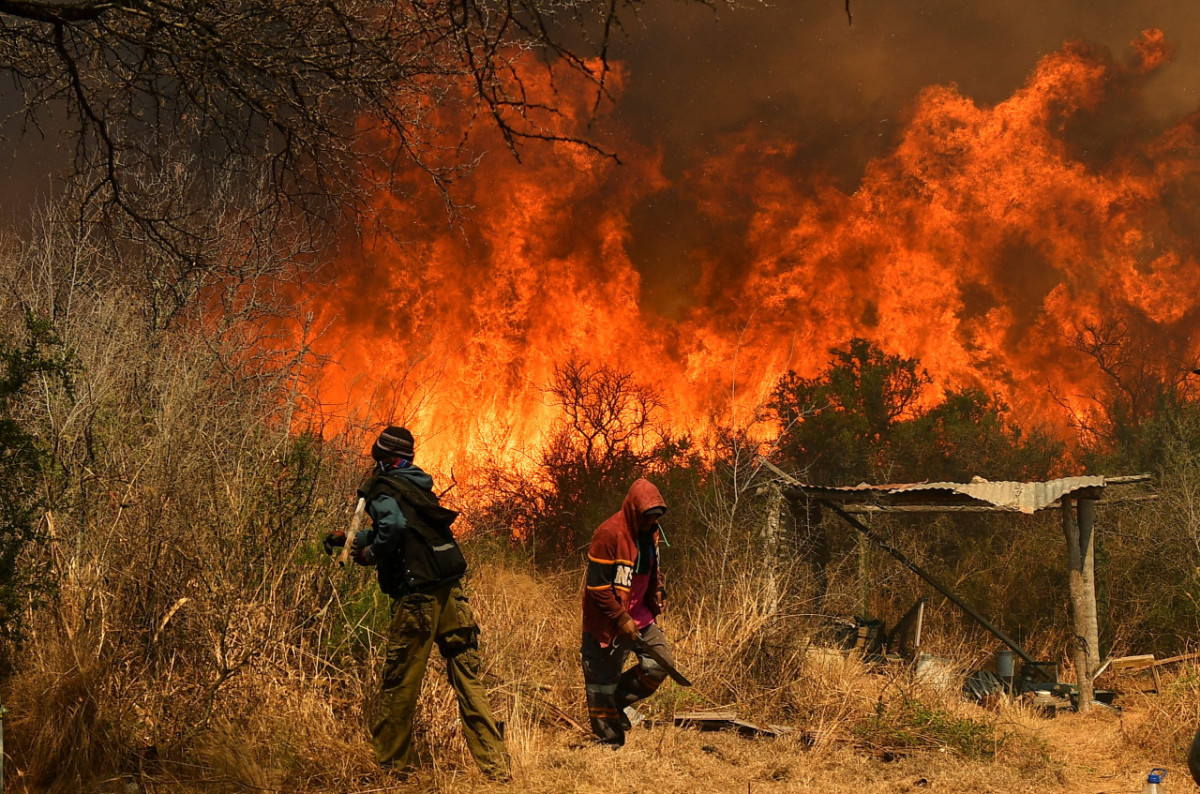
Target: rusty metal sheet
(1024,497)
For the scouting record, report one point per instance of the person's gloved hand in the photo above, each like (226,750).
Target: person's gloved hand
(360,550)
(334,540)
(627,628)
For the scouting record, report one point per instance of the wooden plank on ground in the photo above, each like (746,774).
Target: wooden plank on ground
(726,720)
(1132,664)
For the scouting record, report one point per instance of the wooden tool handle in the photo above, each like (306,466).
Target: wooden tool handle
(354,524)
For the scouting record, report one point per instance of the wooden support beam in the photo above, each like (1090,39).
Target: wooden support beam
(1183,657)
(1128,479)
(1080,554)
(864,575)
(772,544)
(1132,664)
(1086,513)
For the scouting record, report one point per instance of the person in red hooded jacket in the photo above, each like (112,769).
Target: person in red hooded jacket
(623,596)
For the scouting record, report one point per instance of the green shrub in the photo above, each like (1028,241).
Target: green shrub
(913,725)
(35,355)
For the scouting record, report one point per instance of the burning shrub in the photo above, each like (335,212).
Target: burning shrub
(611,431)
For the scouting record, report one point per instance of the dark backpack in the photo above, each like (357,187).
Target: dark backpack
(432,557)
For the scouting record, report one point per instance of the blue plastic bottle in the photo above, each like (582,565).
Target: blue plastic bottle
(1154,782)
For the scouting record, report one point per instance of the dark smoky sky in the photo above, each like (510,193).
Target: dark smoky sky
(797,71)
(796,68)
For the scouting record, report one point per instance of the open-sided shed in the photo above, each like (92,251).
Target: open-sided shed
(1074,497)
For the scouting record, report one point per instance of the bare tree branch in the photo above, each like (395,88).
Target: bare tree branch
(310,99)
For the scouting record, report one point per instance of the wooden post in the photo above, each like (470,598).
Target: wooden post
(1080,602)
(771,546)
(1086,512)
(864,575)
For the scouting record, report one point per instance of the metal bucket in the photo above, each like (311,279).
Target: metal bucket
(1004,664)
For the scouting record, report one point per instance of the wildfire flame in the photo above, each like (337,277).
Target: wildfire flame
(980,245)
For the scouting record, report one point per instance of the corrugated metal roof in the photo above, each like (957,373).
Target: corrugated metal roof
(1025,497)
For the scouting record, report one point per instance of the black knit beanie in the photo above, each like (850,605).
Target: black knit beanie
(394,442)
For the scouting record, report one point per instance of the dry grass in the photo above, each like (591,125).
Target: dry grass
(277,728)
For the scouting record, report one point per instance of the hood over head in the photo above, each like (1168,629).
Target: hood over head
(415,473)
(642,496)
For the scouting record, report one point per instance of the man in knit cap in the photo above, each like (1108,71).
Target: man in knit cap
(419,565)
(623,595)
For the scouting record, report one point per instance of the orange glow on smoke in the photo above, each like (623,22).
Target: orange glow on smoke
(979,246)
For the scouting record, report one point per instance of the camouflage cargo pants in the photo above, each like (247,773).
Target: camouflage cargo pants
(609,690)
(418,621)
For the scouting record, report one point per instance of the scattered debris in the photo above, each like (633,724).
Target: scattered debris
(1045,704)
(1037,675)
(1132,665)
(982,684)
(865,635)
(936,673)
(727,720)
(1101,698)
(870,637)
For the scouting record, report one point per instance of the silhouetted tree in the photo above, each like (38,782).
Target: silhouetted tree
(612,430)
(866,418)
(300,101)
(1144,400)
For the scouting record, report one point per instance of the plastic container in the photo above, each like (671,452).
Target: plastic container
(1154,782)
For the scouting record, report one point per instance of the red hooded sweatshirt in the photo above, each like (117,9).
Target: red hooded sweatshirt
(611,561)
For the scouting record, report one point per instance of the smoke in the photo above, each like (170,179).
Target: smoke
(838,95)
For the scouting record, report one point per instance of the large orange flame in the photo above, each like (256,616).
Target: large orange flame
(980,245)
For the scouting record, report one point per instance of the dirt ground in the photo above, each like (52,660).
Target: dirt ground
(1071,754)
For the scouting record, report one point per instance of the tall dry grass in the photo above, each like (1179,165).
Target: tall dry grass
(197,640)
(283,724)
